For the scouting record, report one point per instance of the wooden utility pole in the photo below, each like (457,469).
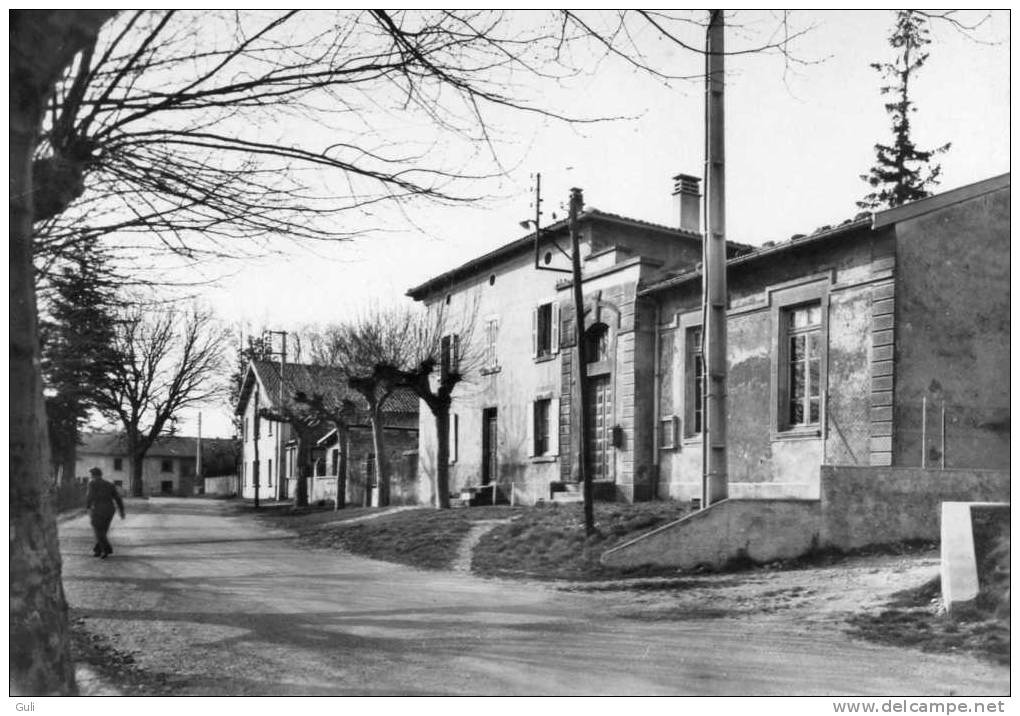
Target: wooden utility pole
(714,480)
(581,415)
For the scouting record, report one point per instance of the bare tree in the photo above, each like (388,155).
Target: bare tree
(42,44)
(439,355)
(167,360)
(376,337)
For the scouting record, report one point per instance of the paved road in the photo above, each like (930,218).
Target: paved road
(227,606)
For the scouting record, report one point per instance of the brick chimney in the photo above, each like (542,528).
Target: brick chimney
(687,200)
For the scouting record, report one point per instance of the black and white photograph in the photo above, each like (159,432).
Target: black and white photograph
(510,353)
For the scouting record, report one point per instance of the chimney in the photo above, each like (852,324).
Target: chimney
(687,200)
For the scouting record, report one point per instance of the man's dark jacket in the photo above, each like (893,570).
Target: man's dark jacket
(102,498)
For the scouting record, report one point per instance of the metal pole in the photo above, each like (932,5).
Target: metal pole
(581,415)
(924,431)
(714,484)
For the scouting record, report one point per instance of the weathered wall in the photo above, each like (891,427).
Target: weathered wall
(952,323)
(759,530)
(764,461)
(878,505)
(222,485)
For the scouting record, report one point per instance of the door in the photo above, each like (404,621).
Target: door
(490,443)
(600,425)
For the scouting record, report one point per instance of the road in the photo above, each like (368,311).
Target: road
(222,605)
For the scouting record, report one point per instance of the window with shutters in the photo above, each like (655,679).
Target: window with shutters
(491,337)
(694,381)
(543,428)
(544,331)
(449,349)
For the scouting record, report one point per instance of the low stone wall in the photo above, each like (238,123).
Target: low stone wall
(758,530)
(881,505)
(859,506)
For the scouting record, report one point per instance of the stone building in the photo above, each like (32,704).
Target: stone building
(278,472)
(167,469)
(846,347)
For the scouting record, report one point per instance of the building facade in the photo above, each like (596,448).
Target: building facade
(167,469)
(512,419)
(269,462)
(883,341)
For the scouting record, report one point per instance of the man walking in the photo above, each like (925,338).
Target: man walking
(102,500)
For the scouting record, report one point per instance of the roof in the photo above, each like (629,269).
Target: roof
(315,380)
(524,245)
(167,446)
(873,221)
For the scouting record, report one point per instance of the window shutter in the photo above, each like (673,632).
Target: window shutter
(554,426)
(455,366)
(530,428)
(534,332)
(554,329)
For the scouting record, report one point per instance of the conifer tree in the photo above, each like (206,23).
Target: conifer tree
(77,336)
(902,172)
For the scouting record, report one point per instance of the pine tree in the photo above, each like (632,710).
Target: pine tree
(77,338)
(902,172)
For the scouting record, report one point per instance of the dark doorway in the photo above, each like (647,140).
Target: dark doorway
(600,417)
(166,487)
(490,444)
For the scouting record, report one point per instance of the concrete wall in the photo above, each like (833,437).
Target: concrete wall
(859,506)
(765,460)
(222,485)
(759,530)
(875,505)
(952,324)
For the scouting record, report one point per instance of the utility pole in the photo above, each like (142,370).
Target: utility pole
(198,453)
(714,294)
(576,203)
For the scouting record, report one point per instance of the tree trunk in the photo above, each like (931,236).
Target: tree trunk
(41,43)
(137,461)
(343,442)
(442,416)
(303,452)
(382,464)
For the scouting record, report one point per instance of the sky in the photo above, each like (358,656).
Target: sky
(798,138)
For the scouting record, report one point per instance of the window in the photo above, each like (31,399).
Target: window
(802,341)
(596,343)
(269,427)
(541,426)
(269,473)
(166,465)
(694,367)
(545,330)
(245,437)
(449,349)
(118,463)
(491,334)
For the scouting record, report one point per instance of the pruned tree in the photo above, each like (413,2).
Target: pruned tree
(356,347)
(166,360)
(43,44)
(77,333)
(439,355)
(902,172)
(336,411)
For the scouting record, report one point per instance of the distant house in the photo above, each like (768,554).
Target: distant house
(277,472)
(168,467)
(880,342)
